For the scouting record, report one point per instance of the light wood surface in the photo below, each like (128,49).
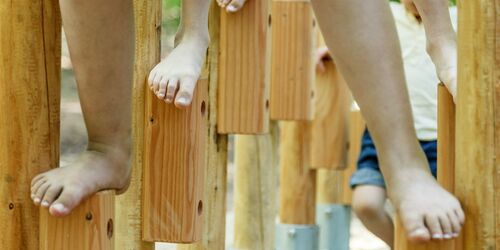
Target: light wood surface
(256,190)
(174,167)
(128,228)
(30,45)
(477,119)
(292,63)
(329,136)
(244,69)
(89,227)
(214,232)
(297,179)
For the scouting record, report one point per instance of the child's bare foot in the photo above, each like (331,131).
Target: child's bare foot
(443,53)
(174,78)
(62,189)
(426,209)
(231,5)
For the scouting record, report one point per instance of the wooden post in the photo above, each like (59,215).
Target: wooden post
(213,236)
(292,68)
(30,45)
(89,227)
(478,130)
(128,228)
(244,69)
(446,170)
(255,190)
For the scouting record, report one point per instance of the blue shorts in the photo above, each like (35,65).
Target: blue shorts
(368,172)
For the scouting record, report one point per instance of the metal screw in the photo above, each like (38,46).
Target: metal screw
(329,212)
(291,233)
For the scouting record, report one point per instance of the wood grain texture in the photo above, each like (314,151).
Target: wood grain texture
(214,232)
(256,190)
(292,63)
(477,118)
(147,53)
(30,45)
(244,69)
(446,170)
(174,168)
(329,136)
(89,227)
(297,179)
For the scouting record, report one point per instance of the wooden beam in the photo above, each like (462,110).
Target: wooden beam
(446,170)
(128,228)
(30,47)
(256,190)
(292,67)
(244,69)
(213,237)
(478,115)
(89,227)
(297,179)
(174,169)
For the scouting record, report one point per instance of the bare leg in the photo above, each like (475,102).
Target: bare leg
(231,5)
(174,79)
(368,203)
(101,41)
(441,40)
(362,38)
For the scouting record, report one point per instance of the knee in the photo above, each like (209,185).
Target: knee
(366,209)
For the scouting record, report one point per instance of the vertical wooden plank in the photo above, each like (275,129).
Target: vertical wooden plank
(292,67)
(446,170)
(128,228)
(244,69)
(256,190)
(213,237)
(89,227)
(330,124)
(174,167)
(477,117)
(30,43)
(297,179)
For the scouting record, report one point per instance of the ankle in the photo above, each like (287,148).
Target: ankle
(436,45)
(119,152)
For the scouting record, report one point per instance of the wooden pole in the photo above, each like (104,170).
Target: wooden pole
(244,69)
(255,190)
(30,45)
(89,227)
(213,235)
(478,113)
(446,170)
(128,228)
(292,68)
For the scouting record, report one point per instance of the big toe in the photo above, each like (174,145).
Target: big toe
(415,229)
(235,5)
(65,203)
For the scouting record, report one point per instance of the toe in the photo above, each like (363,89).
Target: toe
(434,226)
(461,215)
(173,83)
(446,226)
(162,88)
(156,83)
(456,227)
(50,195)
(36,179)
(37,185)
(235,5)
(40,193)
(66,201)
(225,2)
(185,95)
(151,79)
(415,228)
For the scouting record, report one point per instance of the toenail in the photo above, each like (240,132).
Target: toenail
(45,203)
(454,235)
(231,8)
(437,236)
(36,200)
(447,236)
(59,207)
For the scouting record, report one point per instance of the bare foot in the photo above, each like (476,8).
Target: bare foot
(443,53)
(174,78)
(231,5)
(426,209)
(62,189)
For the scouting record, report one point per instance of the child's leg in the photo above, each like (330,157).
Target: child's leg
(368,203)
(101,41)
(232,5)
(174,79)
(441,40)
(362,38)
